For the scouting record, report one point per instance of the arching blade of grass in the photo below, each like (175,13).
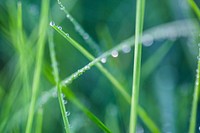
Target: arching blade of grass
(137,64)
(111,78)
(40,49)
(88,39)
(130,42)
(142,114)
(193,117)
(90,57)
(57,80)
(69,94)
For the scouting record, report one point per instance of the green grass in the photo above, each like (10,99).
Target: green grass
(137,64)
(193,118)
(58,85)
(39,58)
(35,81)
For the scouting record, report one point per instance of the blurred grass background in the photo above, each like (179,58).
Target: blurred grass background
(166,94)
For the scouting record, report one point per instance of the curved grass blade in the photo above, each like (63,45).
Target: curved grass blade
(130,42)
(111,78)
(194,7)
(98,65)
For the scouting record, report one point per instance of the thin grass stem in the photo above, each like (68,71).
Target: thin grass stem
(193,117)
(137,64)
(57,80)
(39,58)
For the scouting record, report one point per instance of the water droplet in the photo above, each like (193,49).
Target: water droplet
(199,128)
(87,67)
(63,95)
(59,2)
(114,53)
(75,75)
(65,101)
(59,27)
(80,71)
(147,40)
(67,113)
(85,36)
(67,34)
(126,48)
(52,23)
(103,60)
(62,7)
(67,15)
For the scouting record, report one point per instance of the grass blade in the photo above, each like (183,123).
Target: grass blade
(88,39)
(69,94)
(194,7)
(39,57)
(137,64)
(39,121)
(90,57)
(148,122)
(193,117)
(111,78)
(128,42)
(57,80)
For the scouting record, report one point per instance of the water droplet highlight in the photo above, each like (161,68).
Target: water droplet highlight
(67,34)
(87,67)
(67,16)
(126,49)
(67,113)
(62,7)
(103,60)
(65,101)
(59,27)
(115,53)
(147,40)
(63,95)
(52,23)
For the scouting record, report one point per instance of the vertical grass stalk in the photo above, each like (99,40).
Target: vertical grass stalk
(58,85)
(137,64)
(193,117)
(39,57)
(39,120)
